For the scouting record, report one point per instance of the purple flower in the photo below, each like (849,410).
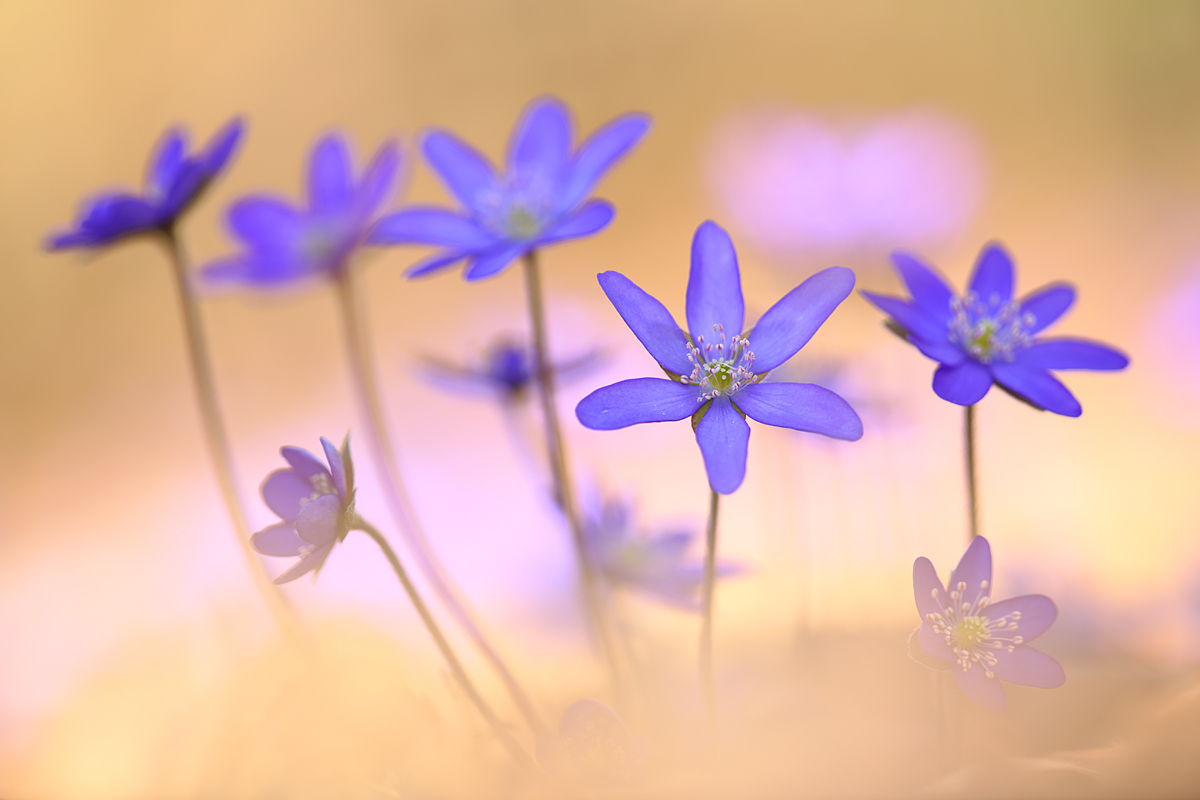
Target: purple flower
(174,181)
(284,244)
(541,198)
(983,641)
(505,370)
(715,377)
(316,504)
(987,337)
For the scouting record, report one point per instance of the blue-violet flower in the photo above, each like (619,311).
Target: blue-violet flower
(715,375)
(987,337)
(506,370)
(540,198)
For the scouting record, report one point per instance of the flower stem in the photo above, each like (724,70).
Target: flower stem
(564,490)
(367,390)
(456,669)
(969,454)
(710,569)
(216,438)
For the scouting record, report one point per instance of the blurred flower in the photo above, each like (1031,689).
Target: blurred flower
(984,641)
(537,201)
(316,504)
(174,181)
(1170,334)
(283,244)
(506,370)
(591,744)
(986,337)
(707,375)
(656,565)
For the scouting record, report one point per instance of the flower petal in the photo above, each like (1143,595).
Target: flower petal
(943,351)
(925,583)
(165,165)
(934,644)
(304,462)
(466,173)
(985,692)
(801,407)
(336,467)
(429,225)
(265,222)
(279,540)
(714,290)
(1037,613)
(106,218)
(596,155)
(992,279)
(377,179)
(1046,305)
(1070,353)
(972,578)
(435,263)
(488,264)
(965,383)
(591,218)
(631,402)
(330,187)
(1028,666)
(313,560)
(317,522)
(541,140)
(724,439)
(285,491)
(222,145)
(649,320)
(929,291)
(790,323)
(1037,387)
(910,317)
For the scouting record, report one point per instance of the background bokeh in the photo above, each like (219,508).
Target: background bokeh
(136,659)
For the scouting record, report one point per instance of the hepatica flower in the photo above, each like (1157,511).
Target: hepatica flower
(316,504)
(283,244)
(541,197)
(505,370)
(987,337)
(984,642)
(174,181)
(716,368)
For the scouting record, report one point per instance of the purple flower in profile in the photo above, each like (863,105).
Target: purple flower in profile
(984,642)
(174,181)
(283,244)
(541,198)
(715,377)
(987,337)
(506,370)
(316,504)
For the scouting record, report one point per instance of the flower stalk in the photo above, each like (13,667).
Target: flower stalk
(969,457)
(710,561)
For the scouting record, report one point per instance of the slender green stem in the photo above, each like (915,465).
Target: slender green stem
(215,436)
(456,669)
(367,390)
(706,622)
(563,486)
(969,455)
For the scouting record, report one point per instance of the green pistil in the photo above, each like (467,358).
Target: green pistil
(521,223)
(983,339)
(970,631)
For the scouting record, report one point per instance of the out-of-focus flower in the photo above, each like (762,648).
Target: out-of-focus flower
(316,504)
(174,181)
(987,337)
(984,642)
(506,370)
(656,565)
(283,244)
(715,378)
(1170,335)
(591,744)
(539,200)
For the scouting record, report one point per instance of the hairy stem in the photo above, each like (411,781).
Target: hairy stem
(969,456)
(710,569)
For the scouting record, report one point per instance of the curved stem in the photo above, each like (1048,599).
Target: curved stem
(564,489)
(969,456)
(215,436)
(710,569)
(447,652)
(367,391)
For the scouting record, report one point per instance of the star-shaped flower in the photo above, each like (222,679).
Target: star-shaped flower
(541,198)
(715,368)
(506,370)
(316,504)
(284,244)
(174,181)
(987,337)
(984,642)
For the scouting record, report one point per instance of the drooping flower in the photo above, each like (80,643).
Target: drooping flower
(174,181)
(540,199)
(283,244)
(316,504)
(716,369)
(506,369)
(987,337)
(985,642)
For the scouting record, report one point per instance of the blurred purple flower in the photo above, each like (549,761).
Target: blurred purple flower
(174,181)
(283,244)
(539,200)
(983,641)
(986,336)
(316,504)
(591,744)
(506,370)
(718,380)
